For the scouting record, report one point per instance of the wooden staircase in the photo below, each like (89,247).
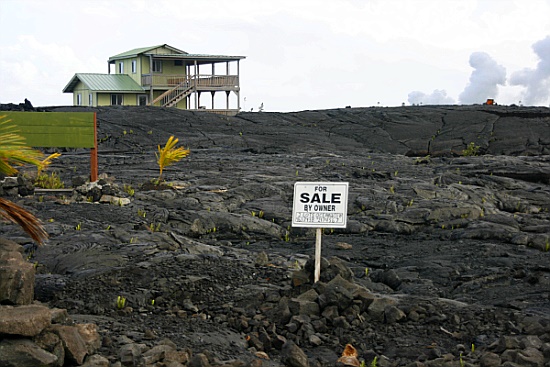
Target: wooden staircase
(172,96)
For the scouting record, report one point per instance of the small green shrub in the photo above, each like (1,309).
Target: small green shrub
(51,181)
(471,150)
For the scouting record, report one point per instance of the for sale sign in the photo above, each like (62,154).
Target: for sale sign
(320,204)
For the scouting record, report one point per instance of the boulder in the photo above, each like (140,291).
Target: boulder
(16,276)
(73,343)
(23,352)
(28,320)
(293,356)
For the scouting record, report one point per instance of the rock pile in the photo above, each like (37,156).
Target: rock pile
(337,310)
(14,186)
(31,334)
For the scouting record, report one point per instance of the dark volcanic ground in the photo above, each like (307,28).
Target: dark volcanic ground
(454,248)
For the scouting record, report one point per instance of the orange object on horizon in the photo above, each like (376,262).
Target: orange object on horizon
(490,101)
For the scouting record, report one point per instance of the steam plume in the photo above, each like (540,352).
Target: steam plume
(536,81)
(484,80)
(438,96)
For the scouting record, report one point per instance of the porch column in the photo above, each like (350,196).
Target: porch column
(151,74)
(197,94)
(238,87)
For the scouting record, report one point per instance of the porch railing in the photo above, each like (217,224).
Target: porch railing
(198,81)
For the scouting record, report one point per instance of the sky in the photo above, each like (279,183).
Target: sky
(300,54)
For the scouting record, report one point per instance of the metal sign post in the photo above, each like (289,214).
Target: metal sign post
(320,205)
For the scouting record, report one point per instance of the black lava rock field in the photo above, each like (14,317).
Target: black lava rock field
(445,260)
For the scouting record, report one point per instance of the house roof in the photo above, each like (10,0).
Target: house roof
(104,83)
(174,54)
(145,50)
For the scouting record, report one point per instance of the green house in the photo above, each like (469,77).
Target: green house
(161,76)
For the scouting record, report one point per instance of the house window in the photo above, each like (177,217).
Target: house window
(90,99)
(121,67)
(178,62)
(116,99)
(79,99)
(134,66)
(157,66)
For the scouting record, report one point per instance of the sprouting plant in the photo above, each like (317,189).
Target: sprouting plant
(170,154)
(120,302)
(150,132)
(473,348)
(461,361)
(261,214)
(253,213)
(129,190)
(133,240)
(392,189)
(410,203)
(108,228)
(78,227)
(366,272)
(395,173)
(142,213)
(152,302)
(90,199)
(41,198)
(374,362)
(296,173)
(154,227)
(287,237)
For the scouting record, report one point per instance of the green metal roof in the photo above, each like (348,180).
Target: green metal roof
(142,50)
(174,54)
(104,83)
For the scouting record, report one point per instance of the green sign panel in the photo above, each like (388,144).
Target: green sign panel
(55,129)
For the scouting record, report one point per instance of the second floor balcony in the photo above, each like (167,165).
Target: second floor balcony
(203,82)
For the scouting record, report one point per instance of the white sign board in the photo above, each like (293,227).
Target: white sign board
(320,204)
